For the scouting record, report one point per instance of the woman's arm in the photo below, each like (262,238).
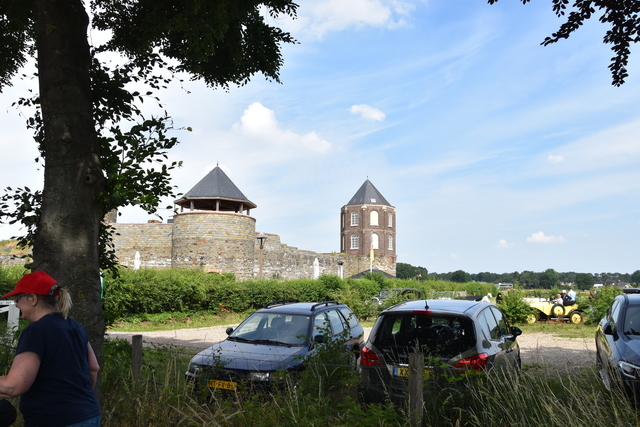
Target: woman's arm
(93,366)
(21,375)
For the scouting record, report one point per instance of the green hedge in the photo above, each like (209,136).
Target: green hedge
(153,291)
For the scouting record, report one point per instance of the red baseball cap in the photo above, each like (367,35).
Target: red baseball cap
(38,283)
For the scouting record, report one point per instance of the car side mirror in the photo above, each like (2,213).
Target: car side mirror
(318,338)
(515,331)
(229,330)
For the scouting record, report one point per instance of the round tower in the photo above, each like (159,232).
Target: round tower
(213,229)
(368,225)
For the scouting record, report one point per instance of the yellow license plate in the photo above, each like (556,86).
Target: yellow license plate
(226,385)
(427,374)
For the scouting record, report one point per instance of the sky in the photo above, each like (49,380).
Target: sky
(498,154)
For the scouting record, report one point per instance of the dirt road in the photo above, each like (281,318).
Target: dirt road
(537,348)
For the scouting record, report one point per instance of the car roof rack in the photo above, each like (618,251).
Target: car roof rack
(631,291)
(326,303)
(281,302)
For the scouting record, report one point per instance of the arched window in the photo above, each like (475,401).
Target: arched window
(375,241)
(390,218)
(354,218)
(390,243)
(354,241)
(373,218)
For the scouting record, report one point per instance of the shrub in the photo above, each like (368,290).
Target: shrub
(515,307)
(599,303)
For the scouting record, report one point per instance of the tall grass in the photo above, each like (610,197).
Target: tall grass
(327,393)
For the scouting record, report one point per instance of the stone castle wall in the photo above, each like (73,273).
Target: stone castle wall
(152,241)
(226,242)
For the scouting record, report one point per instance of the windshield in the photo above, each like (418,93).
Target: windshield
(273,328)
(632,320)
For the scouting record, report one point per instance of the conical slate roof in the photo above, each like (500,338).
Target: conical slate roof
(215,186)
(368,194)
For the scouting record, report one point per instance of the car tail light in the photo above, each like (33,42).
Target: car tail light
(474,363)
(369,357)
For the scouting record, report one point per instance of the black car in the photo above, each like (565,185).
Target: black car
(273,340)
(618,343)
(455,336)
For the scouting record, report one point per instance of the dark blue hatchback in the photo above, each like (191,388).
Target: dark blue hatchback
(275,339)
(618,344)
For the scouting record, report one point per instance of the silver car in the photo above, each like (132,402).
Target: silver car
(455,336)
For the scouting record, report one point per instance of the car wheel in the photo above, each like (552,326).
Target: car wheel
(557,311)
(532,318)
(576,317)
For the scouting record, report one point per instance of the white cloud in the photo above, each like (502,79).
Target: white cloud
(320,17)
(260,123)
(555,159)
(454,256)
(540,237)
(368,112)
(503,244)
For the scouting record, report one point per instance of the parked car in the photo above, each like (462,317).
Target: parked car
(456,336)
(404,293)
(545,309)
(618,344)
(275,339)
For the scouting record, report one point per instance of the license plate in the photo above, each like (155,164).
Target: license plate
(226,385)
(427,374)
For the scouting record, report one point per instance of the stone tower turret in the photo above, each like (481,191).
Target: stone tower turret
(368,222)
(216,232)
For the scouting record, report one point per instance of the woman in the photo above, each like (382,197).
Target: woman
(54,369)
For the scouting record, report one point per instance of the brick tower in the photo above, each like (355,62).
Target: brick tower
(368,222)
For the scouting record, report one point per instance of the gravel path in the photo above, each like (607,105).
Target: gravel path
(536,348)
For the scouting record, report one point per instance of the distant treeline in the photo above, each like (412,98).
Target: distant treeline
(547,279)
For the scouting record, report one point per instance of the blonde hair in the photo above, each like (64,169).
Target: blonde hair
(61,302)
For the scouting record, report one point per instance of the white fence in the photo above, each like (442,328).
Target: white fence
(14,314)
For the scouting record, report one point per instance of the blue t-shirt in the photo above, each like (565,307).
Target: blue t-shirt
(61,393)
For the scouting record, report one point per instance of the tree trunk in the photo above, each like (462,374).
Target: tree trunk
(66,241)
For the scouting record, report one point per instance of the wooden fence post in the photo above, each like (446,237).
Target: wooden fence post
(136,356)
(416,397)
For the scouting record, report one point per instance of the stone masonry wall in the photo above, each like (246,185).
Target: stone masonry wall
(215,241)
(152,241)
(286,262)
(226,242)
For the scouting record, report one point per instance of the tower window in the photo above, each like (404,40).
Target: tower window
(390,243)
(373,218)
(354,218)
(390,218)
(355,244)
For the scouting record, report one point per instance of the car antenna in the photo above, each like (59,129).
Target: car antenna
(426,304)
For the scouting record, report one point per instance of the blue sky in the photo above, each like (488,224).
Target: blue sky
(499,154)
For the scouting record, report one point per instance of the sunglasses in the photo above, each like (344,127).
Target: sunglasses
(16,298)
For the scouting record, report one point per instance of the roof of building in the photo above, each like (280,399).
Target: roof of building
(374,271)
(368,194)
(216,185)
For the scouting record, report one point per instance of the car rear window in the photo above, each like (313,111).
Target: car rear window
(437,334)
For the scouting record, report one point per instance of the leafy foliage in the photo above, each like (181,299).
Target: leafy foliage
(599,303)
(407,271)
(514,306)
(460,276)
(623,16)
